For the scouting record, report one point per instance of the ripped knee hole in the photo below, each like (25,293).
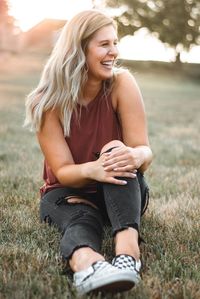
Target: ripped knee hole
(77,199)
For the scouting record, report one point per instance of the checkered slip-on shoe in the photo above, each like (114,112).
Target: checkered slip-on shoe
(128,263)
(102,276)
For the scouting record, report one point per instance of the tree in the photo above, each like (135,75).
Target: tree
(175,22)
(6,25)
(5,18)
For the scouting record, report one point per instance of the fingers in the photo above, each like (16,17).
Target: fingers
(126,174)
(114,165)
(115,152)
(113,160)
(109,159)
(128,168)
(123,165)
(123,174)
(118,150)
(119,157)
(117,181)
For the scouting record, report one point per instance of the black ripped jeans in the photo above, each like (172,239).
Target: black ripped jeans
(82,225)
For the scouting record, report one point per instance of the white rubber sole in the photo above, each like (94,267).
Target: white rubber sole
(114,282)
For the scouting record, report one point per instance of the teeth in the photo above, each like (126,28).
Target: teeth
(108,63)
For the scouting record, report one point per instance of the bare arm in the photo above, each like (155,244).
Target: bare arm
(130,108)
(60,160)
(57,153)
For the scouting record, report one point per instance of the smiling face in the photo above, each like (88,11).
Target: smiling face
(101,53)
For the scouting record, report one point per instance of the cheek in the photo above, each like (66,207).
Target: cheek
(96,55)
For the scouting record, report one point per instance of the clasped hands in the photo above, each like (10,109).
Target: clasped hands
(121,162)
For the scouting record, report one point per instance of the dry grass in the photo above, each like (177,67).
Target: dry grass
(30,264)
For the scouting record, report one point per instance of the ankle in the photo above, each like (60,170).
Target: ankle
(126,242)
(84,257)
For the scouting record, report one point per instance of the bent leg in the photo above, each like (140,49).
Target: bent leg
(80,224)
(123,205)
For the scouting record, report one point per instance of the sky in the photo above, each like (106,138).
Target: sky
(142,46)
(30,12)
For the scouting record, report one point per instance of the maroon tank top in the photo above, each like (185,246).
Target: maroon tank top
(92,127)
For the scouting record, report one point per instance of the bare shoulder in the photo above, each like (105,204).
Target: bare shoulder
(124,79)
(123,74)
(126,89)
(50,126)
(130,110)
(50,118)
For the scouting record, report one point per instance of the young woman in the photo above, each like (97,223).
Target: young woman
(91,127)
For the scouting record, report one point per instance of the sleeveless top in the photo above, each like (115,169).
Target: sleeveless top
(92,127)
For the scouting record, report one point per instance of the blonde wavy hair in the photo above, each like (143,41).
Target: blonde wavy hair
(65,72)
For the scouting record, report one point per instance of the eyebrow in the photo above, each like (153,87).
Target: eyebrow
(107,40)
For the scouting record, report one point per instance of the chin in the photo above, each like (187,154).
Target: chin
(107,76)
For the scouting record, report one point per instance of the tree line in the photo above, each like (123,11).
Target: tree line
(7,28)
(176,23)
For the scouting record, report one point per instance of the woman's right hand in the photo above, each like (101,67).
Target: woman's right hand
(97,173)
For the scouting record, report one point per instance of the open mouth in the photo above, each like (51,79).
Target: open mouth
(108,64)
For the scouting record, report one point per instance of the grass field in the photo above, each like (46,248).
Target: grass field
(30,264)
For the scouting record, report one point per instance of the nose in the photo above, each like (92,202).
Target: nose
(113,50)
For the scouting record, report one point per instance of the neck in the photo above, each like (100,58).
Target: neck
(90,90)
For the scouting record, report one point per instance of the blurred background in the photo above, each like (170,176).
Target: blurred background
(160,44)
(155,30)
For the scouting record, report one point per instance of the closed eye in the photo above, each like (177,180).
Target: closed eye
(107,43)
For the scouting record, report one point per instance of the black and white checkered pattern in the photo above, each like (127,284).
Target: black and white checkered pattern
(102,276)
(125,261)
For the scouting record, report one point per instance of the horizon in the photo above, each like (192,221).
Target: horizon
(133,47)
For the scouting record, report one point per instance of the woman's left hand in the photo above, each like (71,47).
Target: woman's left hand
(123,158)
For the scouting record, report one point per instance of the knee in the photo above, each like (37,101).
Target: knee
(111,144)
(80,200)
